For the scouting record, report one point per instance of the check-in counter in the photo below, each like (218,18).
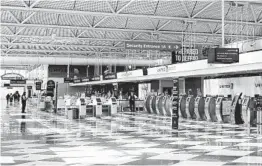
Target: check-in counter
(210,108)
(112,106)
(190,107)
(182,106)
(139,104)
(199,107)
(97,107)
(81,104)
(73,112)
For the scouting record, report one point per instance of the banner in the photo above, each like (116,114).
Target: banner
(151,46)
(249,86)
(157,70)
(127,74)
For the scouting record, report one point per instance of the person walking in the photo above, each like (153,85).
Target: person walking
(7,98)
(23,99)
(132,99)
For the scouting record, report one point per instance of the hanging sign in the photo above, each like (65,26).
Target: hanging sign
(127,74)
(85,79)
(50,86)
(38,85)
(17,81)
(95,78)
(29,87)
(175,94)
(78,80)
(151,46)
(223,55)
(12,76)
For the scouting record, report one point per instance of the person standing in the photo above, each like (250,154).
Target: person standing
(23,99)
(7,98)
(11,98)
(132,99)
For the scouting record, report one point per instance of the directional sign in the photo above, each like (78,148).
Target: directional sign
(151,46)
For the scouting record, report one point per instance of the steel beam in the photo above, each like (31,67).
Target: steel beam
(206,7)
(74,12)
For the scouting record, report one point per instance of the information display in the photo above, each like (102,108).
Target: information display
(77,80)
(175,103)
(85,79)
(223,55)
(109,76)
(68,80)
(17,81)
(38,85)
(29,87)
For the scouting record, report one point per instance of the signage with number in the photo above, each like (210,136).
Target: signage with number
(68,80)
(157,70)
(85,79)
(95,78)
(38,85)
(29,87)
(109,76)
(77,80)
(151,46)
(175,101)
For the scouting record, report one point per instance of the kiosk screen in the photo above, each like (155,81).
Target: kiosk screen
(98,100)
(113,100)
(207,100)
(219,100)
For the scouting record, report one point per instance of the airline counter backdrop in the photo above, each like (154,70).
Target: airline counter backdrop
(230,86)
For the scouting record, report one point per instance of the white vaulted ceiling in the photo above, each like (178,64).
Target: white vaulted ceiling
(99,28)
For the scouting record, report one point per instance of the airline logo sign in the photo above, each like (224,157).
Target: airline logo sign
(151,46)
(134,73)
(157,70)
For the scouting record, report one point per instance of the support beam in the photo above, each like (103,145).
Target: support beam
(185,8)
(253,13)
(99,22)
(164,25)
(35,3)
(12,15)
(73,12)
(23,2)
(223,22)
(126,5)
(110,29)
(110,6)
(207,6)
(31,15)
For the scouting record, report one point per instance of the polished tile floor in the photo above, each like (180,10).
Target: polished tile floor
(38,138)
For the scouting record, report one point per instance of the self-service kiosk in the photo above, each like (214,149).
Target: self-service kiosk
(82,107)
(161,105)
(235,114)
(246,113)
(147,103)
(156,103)
(182,106)
(97,107)
(168,105)
(199,107)
(219,116)
(152,104)
(112,104)
(190,107)
(210,108)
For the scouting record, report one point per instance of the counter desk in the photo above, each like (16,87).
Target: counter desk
(125,104)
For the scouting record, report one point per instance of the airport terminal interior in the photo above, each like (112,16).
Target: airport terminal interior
(131,82)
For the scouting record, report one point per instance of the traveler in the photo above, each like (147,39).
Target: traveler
(7,98)
(132,99)
(11,98)
(23,99)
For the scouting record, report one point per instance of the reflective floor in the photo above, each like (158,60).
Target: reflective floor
(38,138)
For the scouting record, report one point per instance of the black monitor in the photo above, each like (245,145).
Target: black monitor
(113,99)
(98,100)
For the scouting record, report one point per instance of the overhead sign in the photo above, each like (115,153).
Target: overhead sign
(85,79)
(127,74)
(68,80)
(78,80)
(29,87)
(223,55)
(95,78)
(38,85)
(12,76)
(17,81)
(109,76)
(50,84)
(6,85)
(151,46)
(157,70)
(171,68)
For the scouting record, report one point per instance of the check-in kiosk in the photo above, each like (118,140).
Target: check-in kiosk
(210,108)
(199,108)
(97,107)
(246,114)
(112,104)
(160,105)
(190,107)
(147,103)
(235,114)
(152,104)
(182,106)
(157,102)
(168,105)
(81,103)
(219,117)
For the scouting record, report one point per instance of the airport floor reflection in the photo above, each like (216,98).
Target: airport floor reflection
(39,138)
